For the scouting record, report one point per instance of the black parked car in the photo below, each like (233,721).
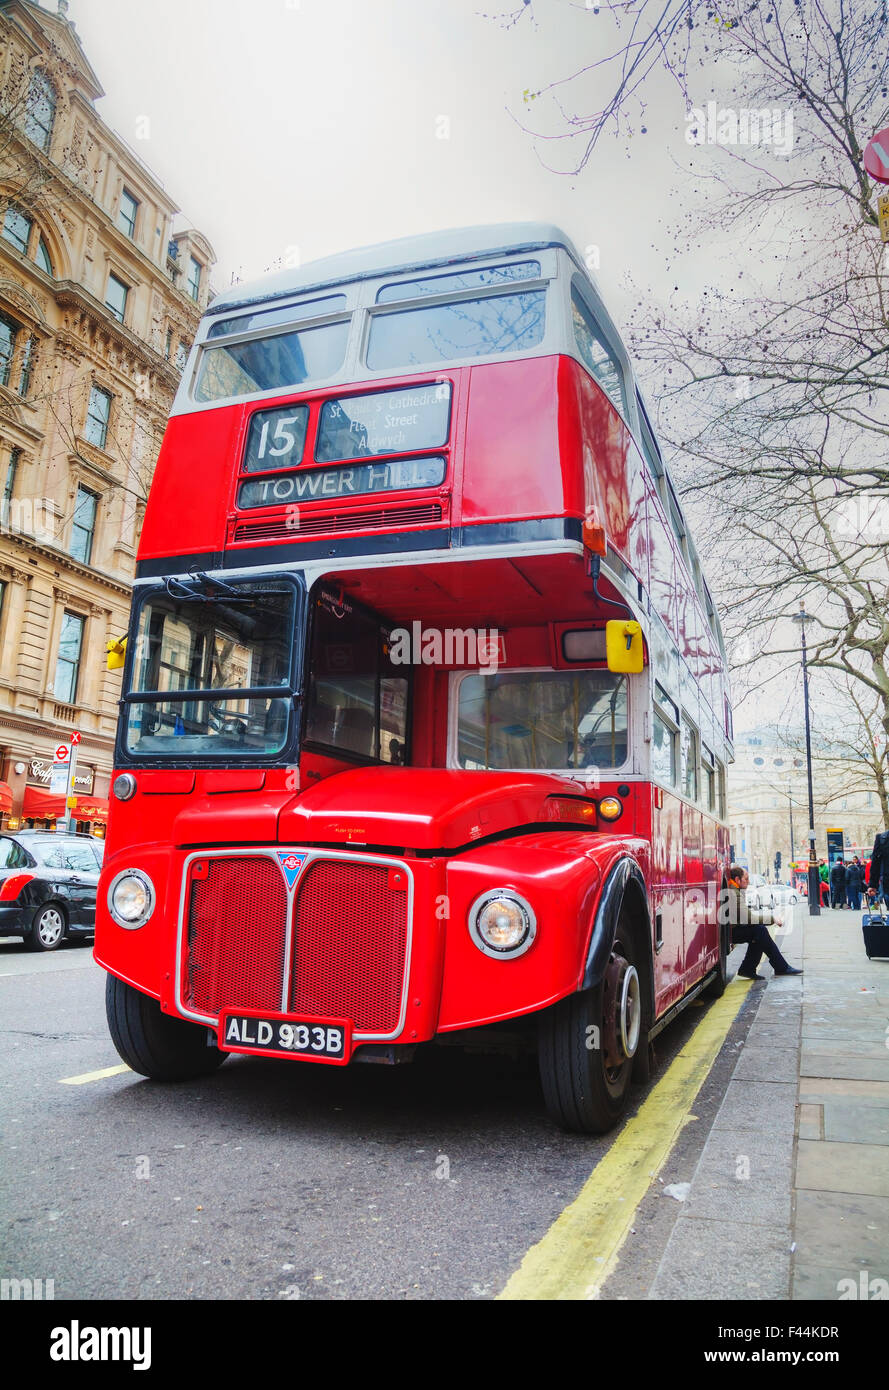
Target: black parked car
(48,886)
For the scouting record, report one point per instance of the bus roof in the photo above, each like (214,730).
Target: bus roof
(395,257)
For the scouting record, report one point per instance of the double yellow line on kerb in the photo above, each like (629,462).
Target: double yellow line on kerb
(580,1249)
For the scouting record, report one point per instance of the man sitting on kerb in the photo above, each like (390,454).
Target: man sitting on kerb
(751,925)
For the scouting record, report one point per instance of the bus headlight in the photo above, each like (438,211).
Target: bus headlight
(502,924)
(131,898)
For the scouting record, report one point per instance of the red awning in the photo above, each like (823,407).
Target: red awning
(5,797)
(40,804)
(91,808)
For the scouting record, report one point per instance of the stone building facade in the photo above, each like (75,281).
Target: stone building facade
(99,301)
(767,786)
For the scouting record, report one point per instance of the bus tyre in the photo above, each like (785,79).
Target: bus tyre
(153,1043)
(716,987)
(586,1049)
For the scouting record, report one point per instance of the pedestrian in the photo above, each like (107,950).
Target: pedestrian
(854,883)
(838,884)
(751,926)
(878,875)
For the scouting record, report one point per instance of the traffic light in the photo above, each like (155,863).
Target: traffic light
(777,864)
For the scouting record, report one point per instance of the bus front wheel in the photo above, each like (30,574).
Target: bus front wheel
(586,1048)
(153,1043)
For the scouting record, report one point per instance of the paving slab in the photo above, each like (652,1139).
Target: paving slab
(854,1121)
(821,1283)
(853,1068)
(721,1260)
(757,1104)
(810,1121)
(842,1229)
(820,1088)
(842,1167)
(767,1064)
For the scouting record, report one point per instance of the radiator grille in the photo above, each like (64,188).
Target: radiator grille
(320,523)
(351,935)
(237,919)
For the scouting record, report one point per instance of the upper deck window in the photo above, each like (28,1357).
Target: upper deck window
(542,719)
(461,280)
(596,353)
(270,318)
(279,362)
(493,326)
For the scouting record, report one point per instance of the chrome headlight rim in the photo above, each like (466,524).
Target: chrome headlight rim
(502,952)
(129,923)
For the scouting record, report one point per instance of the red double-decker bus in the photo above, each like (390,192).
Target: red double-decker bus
(424,721)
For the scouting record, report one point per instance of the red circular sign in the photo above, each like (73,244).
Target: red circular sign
(876,157)
(61,753)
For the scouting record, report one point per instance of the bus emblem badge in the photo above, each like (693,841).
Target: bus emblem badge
(291,865)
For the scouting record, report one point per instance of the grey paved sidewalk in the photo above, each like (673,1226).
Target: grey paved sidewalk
(841,1187)
(789,1196)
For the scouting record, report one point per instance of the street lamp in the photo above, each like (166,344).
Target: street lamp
(802,617)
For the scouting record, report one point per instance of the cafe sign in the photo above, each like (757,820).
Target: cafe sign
(40,771)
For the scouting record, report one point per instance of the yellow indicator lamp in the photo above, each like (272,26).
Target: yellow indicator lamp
(624,648)
(117,650)
(610,807)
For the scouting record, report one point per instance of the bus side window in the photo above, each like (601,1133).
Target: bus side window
(689,750)
(665,732)
(597,354)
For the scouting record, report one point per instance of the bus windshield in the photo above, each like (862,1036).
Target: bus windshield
(212,671)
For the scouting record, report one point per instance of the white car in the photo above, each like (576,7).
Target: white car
(761,893)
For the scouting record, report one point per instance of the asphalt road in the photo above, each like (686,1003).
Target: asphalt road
(276,1180)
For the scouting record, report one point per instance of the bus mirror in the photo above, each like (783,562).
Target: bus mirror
(624,648)
(117,650)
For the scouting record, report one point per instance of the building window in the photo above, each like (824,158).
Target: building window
(116,297)
(68,663)
(27,366)
(181,356)
(9,486)
(9,331)
(126,215)
(17,229)
(83,526)
(194,277)
(97,414)
(42,257)
(168,346)
(41,110)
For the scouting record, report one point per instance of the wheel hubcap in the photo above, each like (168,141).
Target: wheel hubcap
(622,1016)
(49,928)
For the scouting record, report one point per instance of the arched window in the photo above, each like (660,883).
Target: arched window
(43,257)
(41,110)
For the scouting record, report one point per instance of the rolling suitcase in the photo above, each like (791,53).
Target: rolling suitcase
(876,934)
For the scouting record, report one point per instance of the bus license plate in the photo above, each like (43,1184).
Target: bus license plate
(320,1040)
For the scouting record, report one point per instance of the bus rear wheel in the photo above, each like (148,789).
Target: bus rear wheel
(153,1043)
(587,1045)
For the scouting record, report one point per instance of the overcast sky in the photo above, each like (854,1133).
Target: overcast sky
(329,124)
(303,127)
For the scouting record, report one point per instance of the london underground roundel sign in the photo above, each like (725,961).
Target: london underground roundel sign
(62,753)
(876,157)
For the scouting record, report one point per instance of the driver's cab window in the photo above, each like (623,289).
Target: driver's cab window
(358,699)
(541,719)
